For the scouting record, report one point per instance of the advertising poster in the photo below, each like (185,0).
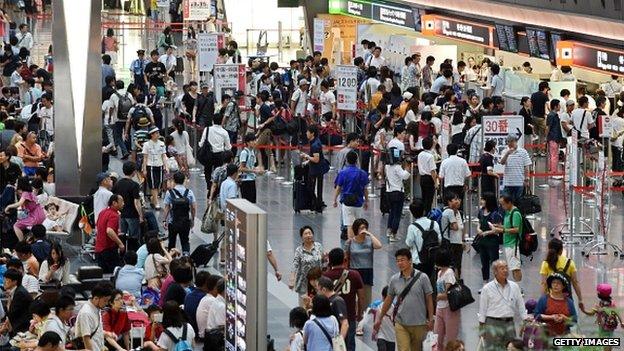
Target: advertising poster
(162,3)
(498,128)
(208,45)
(228,79)
(445,135)
(319,34)
(196,10)
(346,87)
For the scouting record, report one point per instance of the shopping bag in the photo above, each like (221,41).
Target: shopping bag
(431,342)
(190,159)
(211,218)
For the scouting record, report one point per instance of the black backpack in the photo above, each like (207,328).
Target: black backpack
(124,106)
(180,205)
(430,245)
(139,115)
(527,239)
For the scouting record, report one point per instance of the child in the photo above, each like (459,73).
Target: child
(54,220)
(532,332)
(607,316)
(386,337)
(248,168)
(298,317)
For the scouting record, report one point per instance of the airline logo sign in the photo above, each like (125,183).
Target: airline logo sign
(466,31)
(609,61)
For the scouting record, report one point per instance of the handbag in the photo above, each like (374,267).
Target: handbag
(211,218)
(172,164)
(337,342)
(476,242)
(459,295)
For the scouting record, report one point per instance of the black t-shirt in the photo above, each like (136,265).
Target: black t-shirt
(11,64)
(176,293)
(205,109)
(338,307)
(539,100)
(129,190)
(155,71)
(189,102)
(266,112)
(43,74)
(597,115)
(9,174)
(528,121)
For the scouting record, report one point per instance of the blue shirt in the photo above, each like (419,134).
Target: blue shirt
(229,190)
(129,279)
(248,156)
(437,85)
(141,256)
(191,301)
(107,70)
(138,66)
(181,189)
(316,148)
(317,340)
(352,180)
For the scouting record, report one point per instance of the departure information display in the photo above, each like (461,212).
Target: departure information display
(538,43)
(506,38)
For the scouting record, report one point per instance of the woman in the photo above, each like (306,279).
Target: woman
(385,77)
(55,269)
(474,105)
(110,45)
(488,176)
(164,40)
(40,317)
(308,255)
(525,112)
(457,127)
(412,111)
(472,71)
(181,144)
(153,101)
(490,240)
(317,167)
(173,157)
(446,321)
(557,262)
(154,162)
(191,52)
(27,200)
(360,251)
(297,319)
(323,323)
(175,326)
(556,309)
(116,323)
(156,263)
(384,134)
(408,74)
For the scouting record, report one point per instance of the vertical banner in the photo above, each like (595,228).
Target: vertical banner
(498,128)
(208,45)
(319,34)
(196,10)
(571,161)
(445,135)
(228,79)
(346,87)
(163,3)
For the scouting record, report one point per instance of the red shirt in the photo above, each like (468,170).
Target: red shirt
(554,306)
(116,322)
(108,218)
(352,284)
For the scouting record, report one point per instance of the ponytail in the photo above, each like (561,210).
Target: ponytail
(555,247)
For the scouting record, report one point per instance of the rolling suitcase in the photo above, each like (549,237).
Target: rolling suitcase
(302,198)
(204,253)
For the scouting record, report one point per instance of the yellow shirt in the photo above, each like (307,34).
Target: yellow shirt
(375,99)
(545,270)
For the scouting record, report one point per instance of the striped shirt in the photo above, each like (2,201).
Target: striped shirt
(514,168)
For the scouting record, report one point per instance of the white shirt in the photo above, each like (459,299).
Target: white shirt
(24,40)
(166,343)
(100,201)
(168,60)
(154,151)
(613,88)
(327,101)
(564,117)
(301,99)
(377,61)
(371,84)
(497,85)
(577,119)
(216,314)
(618,125)
(218,138)
(448,277)
(31,284)
(47,115)
(395,175)
(16,79)
(110,112)
(426,163)
(181,141)
(454,170)
(89,320)
(201,315)
(151,261)
(449,216)
(410,116)
(499,301)
(396,143)
(54,324)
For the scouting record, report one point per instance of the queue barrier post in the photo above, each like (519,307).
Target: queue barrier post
(194,144)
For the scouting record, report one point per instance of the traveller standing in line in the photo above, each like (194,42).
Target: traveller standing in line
(517,164)
(501,301)
(539,104)
(179,214)
(351,185)
(452,225)
(454,172)
(413,313)
(490,239)
(219,140)
(318,166)
(553,136)
(395,191)
(427,74)
(428,172)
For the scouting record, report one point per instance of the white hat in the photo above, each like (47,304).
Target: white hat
(303,82)
(407,95)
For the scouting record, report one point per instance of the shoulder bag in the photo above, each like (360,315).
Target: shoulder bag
(459,295)
(404,293)
(341,281)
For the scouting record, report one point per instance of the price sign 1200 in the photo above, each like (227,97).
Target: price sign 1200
(347,82)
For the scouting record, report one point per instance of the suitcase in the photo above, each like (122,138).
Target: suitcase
(384,204)
(179,64)
(204,253)
(302,198)
(89,272)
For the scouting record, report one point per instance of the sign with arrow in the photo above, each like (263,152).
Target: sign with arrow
(498,128)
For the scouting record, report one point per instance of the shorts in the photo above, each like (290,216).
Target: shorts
(154,177)
(349,214)
(264,138)
(513,259)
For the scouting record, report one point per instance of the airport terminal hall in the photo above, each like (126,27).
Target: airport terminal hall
(312,175)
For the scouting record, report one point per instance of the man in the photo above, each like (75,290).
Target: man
(452,226)
(415,241)
(350,185)
(216,314)
(58,322)
(129,277)
(50,341)
(204,106)
(107,69)
(511,230)
(18,303)
(414,313)
(30,152)
(501,301)
(328,102)
(29,281)
(427,170)
(539,102)
(517,164)
(348,284)
(9,171)
(46,114)
(368,52)
(617,144)
(248,168)
(192,299)
(427,73)
(107,242)
(499,106)
(120,104)
(179,214)
(298,105)
(352,142)
(89,326)
(231,117)
(23,251)
(219,140)
(155,73)
(205,303)
(376,60)
(445,80)
(137,68)
(497,85)
(526,67)
(132,212)
(370,86)
(361,70)
(102,194)
(9,62)
(24,37)
(454,172)
(32,93)
(169,60)
(598,115)
(338,304)
(398,142)
(612,90)
(229,188)
(566,118)
(41,246)
(40,75)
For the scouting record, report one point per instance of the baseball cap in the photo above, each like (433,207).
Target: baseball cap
(407,95)
(570,102)
(101,176)
(303,82)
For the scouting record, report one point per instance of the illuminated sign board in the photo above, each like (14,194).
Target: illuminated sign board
(386,12)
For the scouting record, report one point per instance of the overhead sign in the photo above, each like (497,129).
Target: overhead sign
(600,59)
(498,128)
(346,87)
(228,79)
(208,45)
(197,10)
(386,12)
(319,34)
(457,29)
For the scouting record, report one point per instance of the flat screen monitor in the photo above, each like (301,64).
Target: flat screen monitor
(507,40)
(538,43)
(554,39)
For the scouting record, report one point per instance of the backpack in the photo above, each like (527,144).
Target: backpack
(124,106)
(430,244)
(180,204)
(566,275)
(527,238)
(139,116)
(181,344)
(607,319)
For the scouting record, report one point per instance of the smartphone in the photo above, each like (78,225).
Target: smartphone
(158,317)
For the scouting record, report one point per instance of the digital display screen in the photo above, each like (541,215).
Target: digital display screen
(554,39)
(417,14)
(236,280)
(538,43)
(507,40)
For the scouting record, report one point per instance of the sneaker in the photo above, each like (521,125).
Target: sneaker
(392,238)
(388,232)
(480,291)
(359,332)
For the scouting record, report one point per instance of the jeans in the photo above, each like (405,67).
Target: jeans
(618,162)
(233,139)
(488,254)
(118,128)
(181,228)
(131,227)
(427,187)
(351,336)
(515,192)
(394,217)
(215,161)
(383,345)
